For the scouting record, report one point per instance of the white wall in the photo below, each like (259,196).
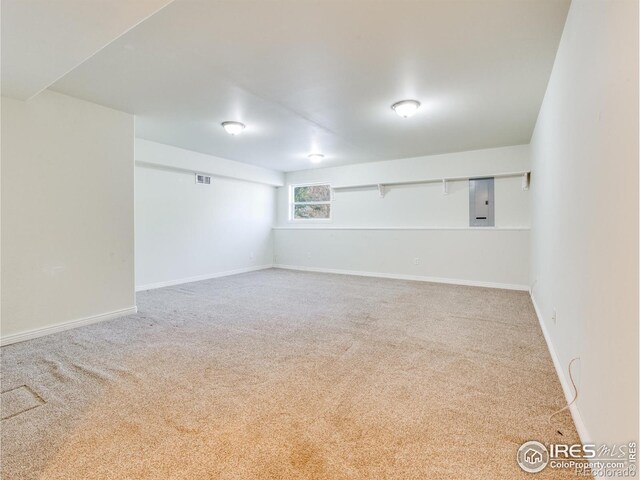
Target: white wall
(168,156)
(67,212)
(420,205)
(490,258)
(374,235)
(585,214)
(186,232)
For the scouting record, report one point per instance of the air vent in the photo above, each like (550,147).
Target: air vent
(203,179)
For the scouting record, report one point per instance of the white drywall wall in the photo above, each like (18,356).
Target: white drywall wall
(67,212)
(187,232)
(585,213)
(420,205)
(177,158)
(474,257)
(371,234)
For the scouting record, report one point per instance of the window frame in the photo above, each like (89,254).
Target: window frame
(293,203)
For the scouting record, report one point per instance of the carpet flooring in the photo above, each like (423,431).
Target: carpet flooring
(287,375)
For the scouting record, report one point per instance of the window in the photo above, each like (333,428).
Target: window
(310,202)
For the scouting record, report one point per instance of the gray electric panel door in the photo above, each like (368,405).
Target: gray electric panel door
(481,212)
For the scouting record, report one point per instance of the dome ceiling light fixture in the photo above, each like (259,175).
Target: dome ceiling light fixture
(233,128)
(315,157)
(406,108)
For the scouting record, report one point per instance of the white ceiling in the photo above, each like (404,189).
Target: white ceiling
(44,39)
(321,75)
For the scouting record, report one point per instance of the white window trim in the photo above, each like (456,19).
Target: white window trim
(292,204)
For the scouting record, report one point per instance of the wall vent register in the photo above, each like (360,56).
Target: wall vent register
(481,204)
(203,179)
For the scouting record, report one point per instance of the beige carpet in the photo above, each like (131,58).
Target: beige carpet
(287,375)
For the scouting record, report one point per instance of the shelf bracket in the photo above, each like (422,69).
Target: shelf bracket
(445,187)
(526,178)
(382,190)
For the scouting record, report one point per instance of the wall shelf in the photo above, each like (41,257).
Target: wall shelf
(329,227)
(384,186)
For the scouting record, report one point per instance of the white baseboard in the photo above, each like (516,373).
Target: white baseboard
(417,278)
(562,376)
(59,327)
(179,281)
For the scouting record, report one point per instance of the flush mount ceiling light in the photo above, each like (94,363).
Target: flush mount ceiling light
(406,108)
(315,157)
(233,128)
